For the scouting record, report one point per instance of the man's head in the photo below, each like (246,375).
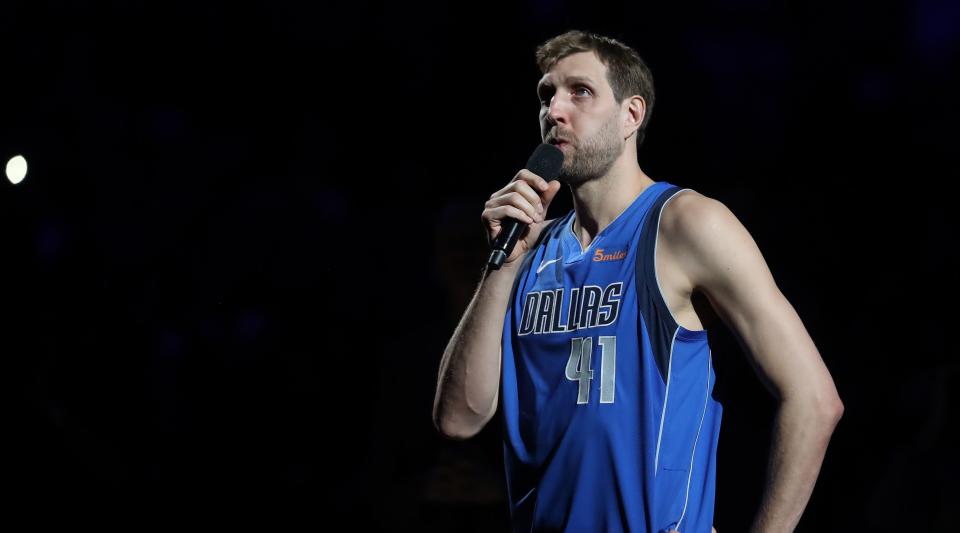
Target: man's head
(595,93)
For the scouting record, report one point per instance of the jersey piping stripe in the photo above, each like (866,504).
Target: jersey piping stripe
(666,396)
(693,454)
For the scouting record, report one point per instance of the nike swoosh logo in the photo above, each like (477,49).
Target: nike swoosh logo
(545,265)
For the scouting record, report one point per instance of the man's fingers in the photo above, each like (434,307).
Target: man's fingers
(525,190)
(525,199)
(538,183)
(507,211)
(521,186)
(519,201)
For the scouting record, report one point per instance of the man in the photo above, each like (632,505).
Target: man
(606,372)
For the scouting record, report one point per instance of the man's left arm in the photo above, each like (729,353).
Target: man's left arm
(721,259)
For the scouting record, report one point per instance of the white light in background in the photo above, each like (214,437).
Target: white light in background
(16,169)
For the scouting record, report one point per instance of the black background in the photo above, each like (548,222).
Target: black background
(248,230)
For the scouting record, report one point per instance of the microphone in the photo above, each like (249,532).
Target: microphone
(546,162)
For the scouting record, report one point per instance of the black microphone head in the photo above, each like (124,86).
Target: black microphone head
(546,162)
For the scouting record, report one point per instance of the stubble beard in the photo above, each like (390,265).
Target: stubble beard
(593,157)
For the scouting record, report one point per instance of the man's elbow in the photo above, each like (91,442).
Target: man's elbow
(822,410)
(456,430)
(833,409)
(829,409)
(461,420)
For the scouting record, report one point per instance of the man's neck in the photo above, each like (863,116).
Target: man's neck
(599,201)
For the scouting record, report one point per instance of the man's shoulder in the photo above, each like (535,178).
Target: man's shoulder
(691,215)
(703,238)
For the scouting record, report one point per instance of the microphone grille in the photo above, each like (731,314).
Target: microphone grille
(546,161)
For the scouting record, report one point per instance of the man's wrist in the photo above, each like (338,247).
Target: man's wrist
(506,270)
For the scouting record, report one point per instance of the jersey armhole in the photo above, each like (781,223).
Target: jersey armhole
(659,321)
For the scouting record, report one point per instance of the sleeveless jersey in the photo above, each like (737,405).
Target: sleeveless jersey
(609,420)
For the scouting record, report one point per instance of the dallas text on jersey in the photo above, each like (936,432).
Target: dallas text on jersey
(589,306)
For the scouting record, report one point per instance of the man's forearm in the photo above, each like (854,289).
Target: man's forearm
(801,434)
(469,377)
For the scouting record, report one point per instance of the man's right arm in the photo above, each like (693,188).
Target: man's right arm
(468,385)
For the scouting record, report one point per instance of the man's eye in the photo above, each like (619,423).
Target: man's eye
(583,90)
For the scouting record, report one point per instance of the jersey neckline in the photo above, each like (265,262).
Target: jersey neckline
(573,241)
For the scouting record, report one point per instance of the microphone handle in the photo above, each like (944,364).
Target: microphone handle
(504,243)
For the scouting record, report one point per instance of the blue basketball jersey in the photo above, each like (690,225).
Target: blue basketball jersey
(610,424)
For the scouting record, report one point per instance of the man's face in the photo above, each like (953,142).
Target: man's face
(578,112)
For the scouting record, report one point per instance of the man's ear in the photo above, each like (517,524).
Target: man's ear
(636,109)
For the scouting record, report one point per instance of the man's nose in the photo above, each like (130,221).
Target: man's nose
(557,113)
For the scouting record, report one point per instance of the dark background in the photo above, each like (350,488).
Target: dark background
(248,230)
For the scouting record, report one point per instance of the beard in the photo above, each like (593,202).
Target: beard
(593,157)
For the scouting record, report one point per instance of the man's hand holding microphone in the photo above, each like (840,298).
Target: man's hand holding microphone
(515,215)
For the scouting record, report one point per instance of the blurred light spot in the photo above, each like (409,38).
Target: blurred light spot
(16,169)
